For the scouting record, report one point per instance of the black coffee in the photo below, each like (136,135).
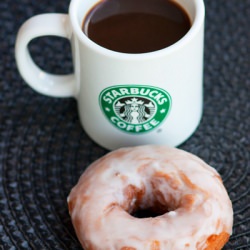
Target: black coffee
(136,26)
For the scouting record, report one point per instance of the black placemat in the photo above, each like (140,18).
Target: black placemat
(43,149)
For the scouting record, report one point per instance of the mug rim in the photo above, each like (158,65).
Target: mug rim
(195,27)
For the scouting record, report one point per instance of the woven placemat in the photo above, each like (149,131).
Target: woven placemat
(44,150)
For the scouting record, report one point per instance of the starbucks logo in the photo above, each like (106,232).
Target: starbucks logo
(135,109)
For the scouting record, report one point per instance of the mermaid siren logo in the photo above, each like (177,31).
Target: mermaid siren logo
(135,109)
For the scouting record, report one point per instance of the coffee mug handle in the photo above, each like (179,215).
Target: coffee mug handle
(39,80)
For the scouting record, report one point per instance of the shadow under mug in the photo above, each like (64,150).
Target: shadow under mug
(123,99)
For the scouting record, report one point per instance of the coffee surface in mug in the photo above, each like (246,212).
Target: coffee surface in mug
(136,26)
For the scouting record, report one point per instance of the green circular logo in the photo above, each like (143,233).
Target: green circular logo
(135,108)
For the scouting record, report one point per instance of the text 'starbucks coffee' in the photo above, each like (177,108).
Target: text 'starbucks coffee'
(136,109)
(136,26)
(138,67)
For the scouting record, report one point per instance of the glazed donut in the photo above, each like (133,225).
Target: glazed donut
(193,207)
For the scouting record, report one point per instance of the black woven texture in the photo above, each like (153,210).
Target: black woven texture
(44,150)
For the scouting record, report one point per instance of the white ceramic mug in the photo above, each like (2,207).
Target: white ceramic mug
(123,99)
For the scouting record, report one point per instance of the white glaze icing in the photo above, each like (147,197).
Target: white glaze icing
(193,192)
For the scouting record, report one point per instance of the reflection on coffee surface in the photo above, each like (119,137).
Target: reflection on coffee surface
(136,26)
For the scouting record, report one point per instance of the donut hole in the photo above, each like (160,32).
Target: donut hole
(155,197)
(152,205)
(147,213)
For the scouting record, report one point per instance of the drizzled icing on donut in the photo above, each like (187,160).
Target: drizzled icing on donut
(194,209)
